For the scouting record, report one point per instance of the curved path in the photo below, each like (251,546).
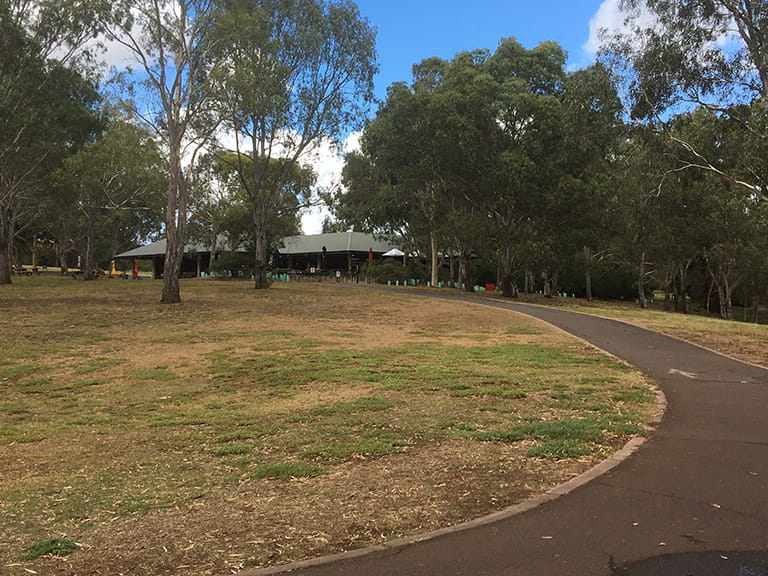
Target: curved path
(693,500)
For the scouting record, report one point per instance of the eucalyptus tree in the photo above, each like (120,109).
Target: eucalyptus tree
(593,131)
(730,218)
(292,186)
(219,208)
(115,179)
(46,99)
(528,167)
(299,74)
(641,224)
(173,43)
(695,53)
(397,183)
(487,150)
(419,170)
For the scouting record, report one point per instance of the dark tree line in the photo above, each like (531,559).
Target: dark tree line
(644,172)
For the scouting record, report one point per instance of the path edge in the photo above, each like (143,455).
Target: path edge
(585,477)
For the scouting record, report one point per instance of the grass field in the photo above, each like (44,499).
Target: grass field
(742,340)
(246,428)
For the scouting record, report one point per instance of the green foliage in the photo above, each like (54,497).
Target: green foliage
(232,263)
(390,271)
(680,54)
(46,104)
(52,546)
(486,156)
(114,188)
(312,80)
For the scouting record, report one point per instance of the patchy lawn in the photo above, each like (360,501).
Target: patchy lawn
(245,428)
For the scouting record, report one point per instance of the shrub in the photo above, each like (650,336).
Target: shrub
(232,263)
(387,272)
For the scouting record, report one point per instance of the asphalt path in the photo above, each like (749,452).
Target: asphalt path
(692,500)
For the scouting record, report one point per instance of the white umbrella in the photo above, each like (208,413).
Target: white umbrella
(394,252)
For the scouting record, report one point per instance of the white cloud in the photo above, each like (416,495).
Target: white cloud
(608,17)
(117,56)
(328,162)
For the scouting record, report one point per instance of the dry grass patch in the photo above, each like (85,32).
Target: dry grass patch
(246,428)
(741,340)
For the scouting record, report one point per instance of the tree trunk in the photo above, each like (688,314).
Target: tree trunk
(726,308)
(506,267)
(175,220)
(755,308)
(6,236)
(261,260)
(588,272)
(641,283)
(724,292)
(669,278)
(530,282)
(682,292)
(465,271)
(90,240)
(435,268)
(174,254)
(62,257)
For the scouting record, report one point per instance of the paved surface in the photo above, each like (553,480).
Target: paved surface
(693,500)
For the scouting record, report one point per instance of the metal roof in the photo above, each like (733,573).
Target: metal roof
(335,242)
(158,249)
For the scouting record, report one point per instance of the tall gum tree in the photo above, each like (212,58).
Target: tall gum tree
(527,168)
(173,44)
(120,172)
(46,99)
(299,74)
(674,56)
(396,185)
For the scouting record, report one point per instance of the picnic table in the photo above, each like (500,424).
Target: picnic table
(21,271)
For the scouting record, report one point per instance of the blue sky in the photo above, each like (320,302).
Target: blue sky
(412,30)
